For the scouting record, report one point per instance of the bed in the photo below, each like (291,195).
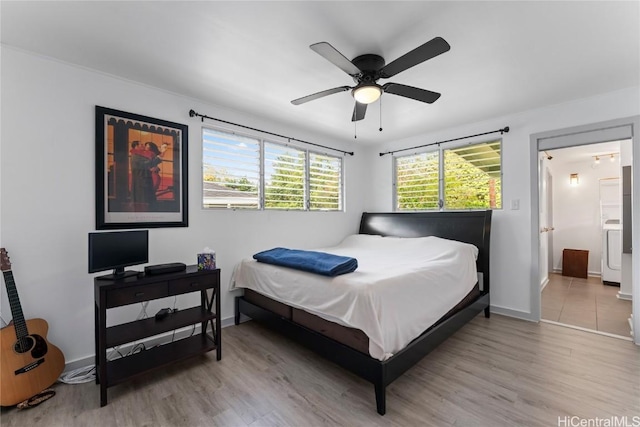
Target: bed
(342,340)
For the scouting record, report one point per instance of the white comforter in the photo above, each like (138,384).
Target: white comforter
(401,287)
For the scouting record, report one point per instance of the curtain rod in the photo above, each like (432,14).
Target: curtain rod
(192,113)
(503,130)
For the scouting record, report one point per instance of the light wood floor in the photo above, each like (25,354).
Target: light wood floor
(493,372)
(586,303)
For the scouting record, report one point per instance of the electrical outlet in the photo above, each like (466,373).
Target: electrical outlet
(515,204)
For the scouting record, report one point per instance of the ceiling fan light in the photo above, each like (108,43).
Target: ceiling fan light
(366,94)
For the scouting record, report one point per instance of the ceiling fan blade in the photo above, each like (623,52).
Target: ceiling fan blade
(411,92)
(358,111)
(319,95)
(332,55)
(430,49)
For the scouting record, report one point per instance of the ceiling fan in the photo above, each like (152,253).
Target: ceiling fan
(367,69)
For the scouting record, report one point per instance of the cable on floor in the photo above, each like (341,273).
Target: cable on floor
(79,376)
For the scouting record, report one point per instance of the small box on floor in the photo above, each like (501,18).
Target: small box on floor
(207,261)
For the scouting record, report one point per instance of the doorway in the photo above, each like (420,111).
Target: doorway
(583,292)
(613,130)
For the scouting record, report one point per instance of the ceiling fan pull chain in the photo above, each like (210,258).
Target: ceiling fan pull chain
(380,114)
(355,129)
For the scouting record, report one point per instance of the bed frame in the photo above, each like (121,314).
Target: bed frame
(470,227)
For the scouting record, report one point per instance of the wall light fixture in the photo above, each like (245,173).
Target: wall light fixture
(573,179)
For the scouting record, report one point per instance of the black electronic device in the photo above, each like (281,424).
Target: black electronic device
(115,250)
(163,313)
(171,267)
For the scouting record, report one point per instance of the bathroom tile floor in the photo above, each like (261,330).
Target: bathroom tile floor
(586,303)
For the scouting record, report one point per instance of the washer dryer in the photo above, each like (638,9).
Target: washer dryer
(611,252)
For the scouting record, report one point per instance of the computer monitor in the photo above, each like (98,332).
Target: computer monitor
(116,250)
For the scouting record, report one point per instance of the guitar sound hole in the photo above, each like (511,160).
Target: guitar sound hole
(40,349)
(24,344)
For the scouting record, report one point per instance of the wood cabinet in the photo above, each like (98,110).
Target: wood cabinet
(575,263)
(116,293)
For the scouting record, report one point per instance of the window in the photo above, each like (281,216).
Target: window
(230,170)
(243,172)
(325,182)
(472,177)
(417,182)
(284,177)
(467,177)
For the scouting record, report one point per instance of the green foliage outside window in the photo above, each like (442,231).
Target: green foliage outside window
(284,187)
(472,179)
(240,184)
(244,172)
(324,183)
(417,182)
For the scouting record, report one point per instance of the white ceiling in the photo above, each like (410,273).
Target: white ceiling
(254,57)
(586,153)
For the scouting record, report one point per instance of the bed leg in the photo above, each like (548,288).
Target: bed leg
(381,400)
(487,313)
(236,318)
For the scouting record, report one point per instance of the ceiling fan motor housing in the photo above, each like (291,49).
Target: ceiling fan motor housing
(370,65)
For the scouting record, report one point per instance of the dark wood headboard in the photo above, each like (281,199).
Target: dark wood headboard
(469,226)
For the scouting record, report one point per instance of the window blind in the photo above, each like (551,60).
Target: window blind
(325,182)
(417,185)
(231,170)
(284,177)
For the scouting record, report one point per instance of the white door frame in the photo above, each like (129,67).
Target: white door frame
(612,130)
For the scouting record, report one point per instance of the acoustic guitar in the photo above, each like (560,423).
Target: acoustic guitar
(28,362)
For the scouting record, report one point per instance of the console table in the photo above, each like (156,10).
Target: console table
(131,290)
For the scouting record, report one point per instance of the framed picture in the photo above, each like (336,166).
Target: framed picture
(141,171)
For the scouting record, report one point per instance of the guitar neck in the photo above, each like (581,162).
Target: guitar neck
(16,309)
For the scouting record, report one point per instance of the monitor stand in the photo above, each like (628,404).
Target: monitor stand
(119,274)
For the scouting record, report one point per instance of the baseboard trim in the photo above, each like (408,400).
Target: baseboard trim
(593,331)
(624,296)
(589,273)
(228,321)
(544,284)
(523,315)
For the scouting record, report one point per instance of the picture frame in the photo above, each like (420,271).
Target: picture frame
(141,171)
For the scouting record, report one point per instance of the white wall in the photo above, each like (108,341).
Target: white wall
(511,265)
(48,203)
(576,209)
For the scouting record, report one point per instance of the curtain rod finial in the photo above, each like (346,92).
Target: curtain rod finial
(192,113)
(505,130)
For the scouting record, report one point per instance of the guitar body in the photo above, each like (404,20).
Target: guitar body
(27,369)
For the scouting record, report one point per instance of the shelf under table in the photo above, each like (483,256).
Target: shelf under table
(119,370)
(133,331)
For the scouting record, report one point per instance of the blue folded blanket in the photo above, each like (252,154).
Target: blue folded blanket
(311,261)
